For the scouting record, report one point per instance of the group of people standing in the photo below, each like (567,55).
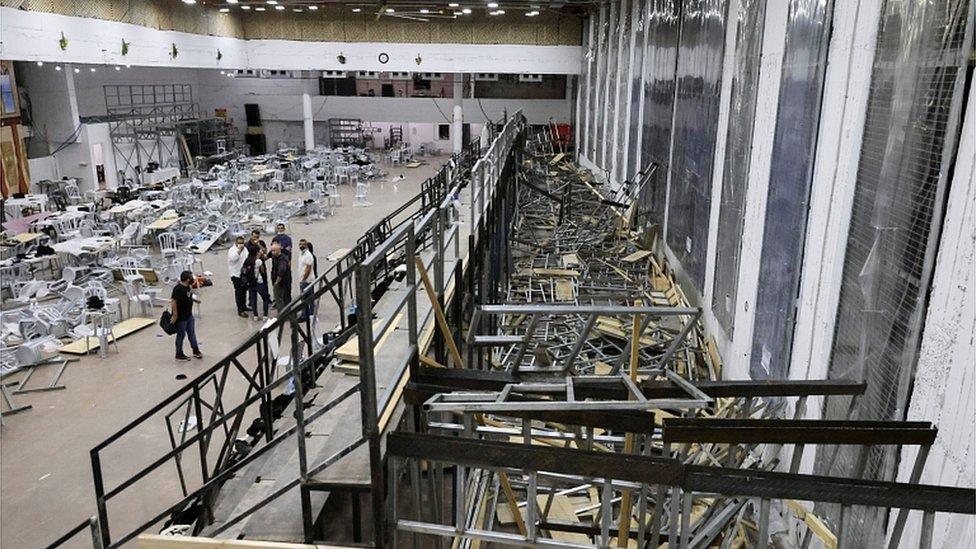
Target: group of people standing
(254,269)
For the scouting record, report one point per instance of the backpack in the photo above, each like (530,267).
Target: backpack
(166,322)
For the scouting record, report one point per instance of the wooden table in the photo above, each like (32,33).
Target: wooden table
(162,223)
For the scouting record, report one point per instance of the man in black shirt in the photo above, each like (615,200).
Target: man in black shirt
(280,277)
(181,307)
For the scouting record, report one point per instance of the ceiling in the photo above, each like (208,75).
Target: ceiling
(414,9)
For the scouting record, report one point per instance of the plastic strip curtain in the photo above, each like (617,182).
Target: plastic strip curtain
(738,152)
(621,101)
(699,76)
(910,139)
(660,60)
(792,161)
(639,20)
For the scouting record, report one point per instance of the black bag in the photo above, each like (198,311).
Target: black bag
(166,322)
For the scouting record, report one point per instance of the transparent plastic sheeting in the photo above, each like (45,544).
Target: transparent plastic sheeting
(660,59)
(910,138)
(584,83)
(598,100)
(738,151)
(791,172)
(638,21)
(605,147)
(620,94)
(699,80)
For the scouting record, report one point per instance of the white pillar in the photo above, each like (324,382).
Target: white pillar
(307,118)
(69,79)
(458,112)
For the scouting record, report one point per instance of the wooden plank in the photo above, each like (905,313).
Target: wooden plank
(338,254)
(349,351)
(814,523)
(120,330)
(162,223)
(547,272)
(562,509)
(24,238)
(154,541)
(557,159)
(570,260)
(564,290)
(636,256)
(439,314)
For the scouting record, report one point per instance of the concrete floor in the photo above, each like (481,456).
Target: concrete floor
(45,469)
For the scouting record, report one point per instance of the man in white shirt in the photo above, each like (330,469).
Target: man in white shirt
(307,270)
(236,258)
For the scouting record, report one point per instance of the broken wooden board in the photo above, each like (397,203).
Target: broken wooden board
(547,272)
(813,522)
(636,256)
(570,260)
(120,330)
(338,254)
(556,159)
(154,541)
(564,291)
(349,351)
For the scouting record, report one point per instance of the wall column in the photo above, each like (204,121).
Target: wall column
(307,118)
(458,112)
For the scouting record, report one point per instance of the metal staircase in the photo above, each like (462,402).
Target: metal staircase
(245,406)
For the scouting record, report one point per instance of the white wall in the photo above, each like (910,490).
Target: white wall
(33,36)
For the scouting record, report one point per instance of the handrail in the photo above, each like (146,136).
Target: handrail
(434,192)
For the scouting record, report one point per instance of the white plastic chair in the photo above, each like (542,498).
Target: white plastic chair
(130,270)
(167,244)
(362,189)
(133,295)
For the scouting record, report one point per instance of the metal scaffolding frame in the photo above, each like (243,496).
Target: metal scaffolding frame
(142,122)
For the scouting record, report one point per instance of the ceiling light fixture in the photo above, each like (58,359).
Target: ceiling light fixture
(532,14)
(57,67)
(231,1)
(224,10)
(492,4)
(453,5)
(356,10)
(297,10)
(424,10)
(259,8)
(313,8)
(272,2)
(279,7)
(92,69)
(77,70)
(246,7)
(466,11)
(40,63)
(191,2)
(390,10)
(118,68)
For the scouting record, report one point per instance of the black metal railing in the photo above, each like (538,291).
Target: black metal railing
(214,405)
